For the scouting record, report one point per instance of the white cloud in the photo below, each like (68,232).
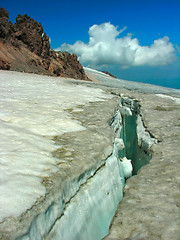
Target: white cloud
(106,47)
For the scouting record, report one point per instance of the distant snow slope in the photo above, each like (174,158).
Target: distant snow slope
(104,79)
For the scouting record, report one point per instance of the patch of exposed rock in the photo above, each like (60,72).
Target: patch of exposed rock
(25,47)
(108,73)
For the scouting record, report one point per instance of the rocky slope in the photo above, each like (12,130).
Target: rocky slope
(25,47)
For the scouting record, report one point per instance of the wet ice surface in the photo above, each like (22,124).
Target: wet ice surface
(104,79)
(33,109)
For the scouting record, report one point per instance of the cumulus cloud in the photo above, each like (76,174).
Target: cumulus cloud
(107,47)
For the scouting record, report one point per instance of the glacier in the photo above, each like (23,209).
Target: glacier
(52,186)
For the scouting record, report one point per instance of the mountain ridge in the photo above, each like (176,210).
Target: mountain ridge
(25,47)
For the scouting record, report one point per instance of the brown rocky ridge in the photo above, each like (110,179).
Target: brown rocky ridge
(25,47)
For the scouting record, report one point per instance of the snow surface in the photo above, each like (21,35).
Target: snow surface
(33,109)
(175,99)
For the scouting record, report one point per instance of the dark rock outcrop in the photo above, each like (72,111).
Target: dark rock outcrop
(108,73)
(6,26)
(25,47)
(70,64)
(29,32)
(4,65)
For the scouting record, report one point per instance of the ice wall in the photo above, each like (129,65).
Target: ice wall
(90,208)
(137,139)
(89,213)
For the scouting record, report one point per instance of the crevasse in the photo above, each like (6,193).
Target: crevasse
(88,212)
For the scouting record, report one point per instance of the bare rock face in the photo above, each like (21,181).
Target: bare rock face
(45,52)
(29,32)
(70,64)
(6,25)
(25,47)
(4,65)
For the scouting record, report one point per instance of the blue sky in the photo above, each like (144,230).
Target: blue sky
(145,21)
